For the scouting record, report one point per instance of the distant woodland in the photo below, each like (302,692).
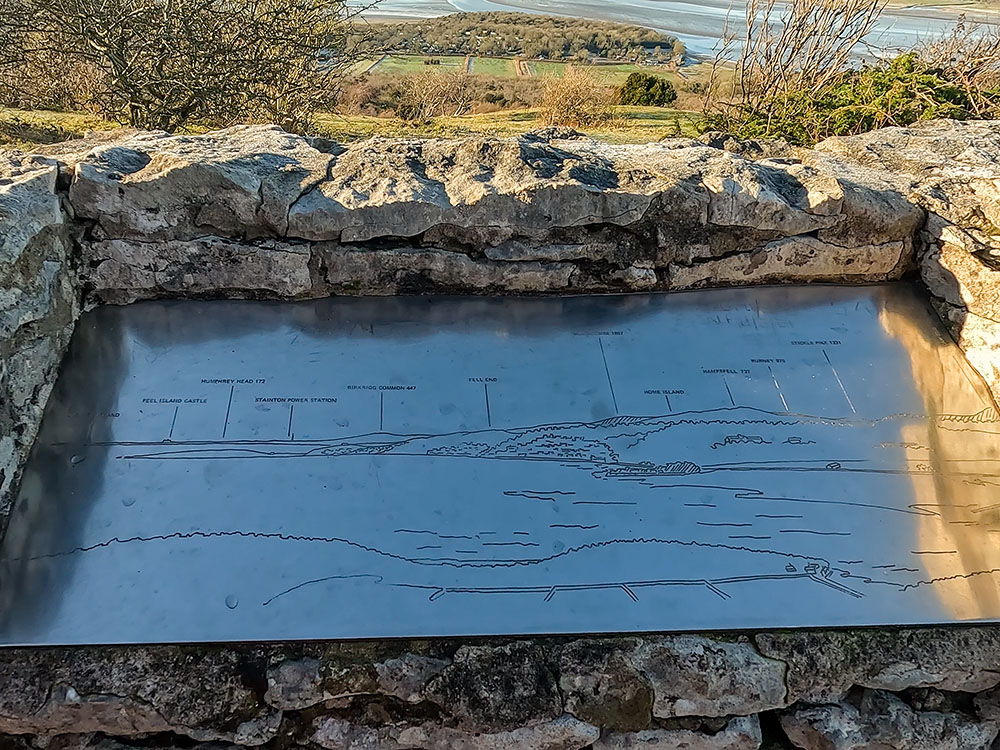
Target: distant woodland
(521,34)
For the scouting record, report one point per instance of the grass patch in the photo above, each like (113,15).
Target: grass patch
(499,67)
(615,75)
(542,68)
(25,128)
(363,66)
(631,125)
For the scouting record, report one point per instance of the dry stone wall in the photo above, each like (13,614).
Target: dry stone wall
(254,212)
(38,305)
(927,688)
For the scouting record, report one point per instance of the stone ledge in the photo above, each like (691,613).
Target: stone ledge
(217,213)
(903,688)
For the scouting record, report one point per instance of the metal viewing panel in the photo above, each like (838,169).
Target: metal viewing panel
(369,468)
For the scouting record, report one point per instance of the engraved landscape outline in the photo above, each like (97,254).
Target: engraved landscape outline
(738,461)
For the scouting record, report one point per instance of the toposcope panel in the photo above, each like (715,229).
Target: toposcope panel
(361,468)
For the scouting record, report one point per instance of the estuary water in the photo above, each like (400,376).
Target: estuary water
(699,23)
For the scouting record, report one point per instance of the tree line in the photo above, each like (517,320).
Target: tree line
(521,34)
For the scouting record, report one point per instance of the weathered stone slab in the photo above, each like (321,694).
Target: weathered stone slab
(881,721)
(123,271)
(28,204)
(412,270)
(951,170)
(125,692)
(978,338)
(493,689)
(406,678)
(239,182)
(601,684)
(613,217)
(695,676)
(822,666)
(961,270)
(623,683)
(802,259)
(295,684)
(562,733)
(403,188)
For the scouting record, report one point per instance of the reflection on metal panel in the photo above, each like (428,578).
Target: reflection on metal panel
(360,468)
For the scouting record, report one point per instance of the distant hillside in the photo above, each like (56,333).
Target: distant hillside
(508,34)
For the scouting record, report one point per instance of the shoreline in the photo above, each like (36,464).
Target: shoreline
(959,7)
(700,24)
(947,11)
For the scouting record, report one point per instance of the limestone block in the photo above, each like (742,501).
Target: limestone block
(697,676)
(498,688)
(799,259)
(881,721)
(240,182)
(122,271)
(412,270)
(823,665)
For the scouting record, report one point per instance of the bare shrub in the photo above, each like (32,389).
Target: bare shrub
(358,97)
(969,56)
(384,93)
(799,45)
(786,47)
(14,27)
(577,99)
(169,63)
(799,75)
(428,95)
(50,79)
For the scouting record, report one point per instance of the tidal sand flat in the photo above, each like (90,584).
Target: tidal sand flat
(699,23)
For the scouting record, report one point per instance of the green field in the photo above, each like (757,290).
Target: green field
(543,68)
(363,66)
(615,75)
(26,128)
(493,66)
